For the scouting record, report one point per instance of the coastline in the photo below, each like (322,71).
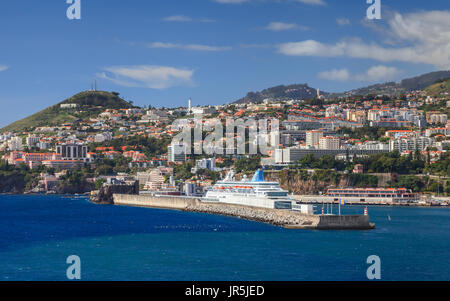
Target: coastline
(87,194)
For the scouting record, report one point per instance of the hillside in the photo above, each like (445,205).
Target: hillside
(407,85)
(440,88)
(303,91)
(297,91)
(90,103)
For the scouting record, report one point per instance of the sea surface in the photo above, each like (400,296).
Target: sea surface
(38,233)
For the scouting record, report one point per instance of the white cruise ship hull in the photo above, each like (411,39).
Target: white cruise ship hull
(253,201)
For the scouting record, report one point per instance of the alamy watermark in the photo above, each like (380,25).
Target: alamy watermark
(73,272)
(374,10)
(74,10)
(374,270)
(238,136)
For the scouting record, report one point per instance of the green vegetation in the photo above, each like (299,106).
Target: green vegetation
(90,104)
(149,146)
(421,184)
(365,133)
(392,163)
(247,165)
(407,171)
(99,183)
(361,180)
(312,162)
(183,171)
(12,179)
(441,86)
(108,167)
(74,181)
(439,168)
(17,179)
(208,174)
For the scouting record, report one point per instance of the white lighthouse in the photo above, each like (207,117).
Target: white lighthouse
(189,106)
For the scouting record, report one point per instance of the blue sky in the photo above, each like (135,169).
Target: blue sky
(215,51)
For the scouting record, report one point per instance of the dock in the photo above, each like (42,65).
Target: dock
(280,217)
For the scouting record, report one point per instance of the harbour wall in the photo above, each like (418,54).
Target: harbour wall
(344,222)
(286,218)
(162,202)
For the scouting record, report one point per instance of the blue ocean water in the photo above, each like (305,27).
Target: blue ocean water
(38,233)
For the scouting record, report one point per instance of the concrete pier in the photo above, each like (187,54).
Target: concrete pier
(285,218)
(319,199)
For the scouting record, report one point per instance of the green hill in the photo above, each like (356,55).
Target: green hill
(89,104)
(439,88)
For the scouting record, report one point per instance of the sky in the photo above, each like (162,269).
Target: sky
(161,53)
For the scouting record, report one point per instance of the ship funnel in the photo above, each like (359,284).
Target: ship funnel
(258,176)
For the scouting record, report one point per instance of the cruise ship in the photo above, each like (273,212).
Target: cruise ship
(256,193)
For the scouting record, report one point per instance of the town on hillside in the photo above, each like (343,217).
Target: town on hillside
(350,146)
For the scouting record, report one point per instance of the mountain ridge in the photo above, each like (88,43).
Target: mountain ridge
(304,91)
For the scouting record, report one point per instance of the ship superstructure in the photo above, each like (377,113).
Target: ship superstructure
(255,192)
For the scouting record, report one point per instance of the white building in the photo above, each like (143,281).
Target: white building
(176,153)
(32,141)
(72,151)
(374,145)
(69,106)
(203,110)
(410,144)
(444,131)
(278,156)
(102,137)
(329,143)
(190,189)
(437,118)
(206,164)
(5,136)
(313,137)
(15,144)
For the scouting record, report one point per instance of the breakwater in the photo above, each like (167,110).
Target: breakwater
(286,218)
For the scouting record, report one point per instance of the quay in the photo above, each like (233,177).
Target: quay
(378,201)
(280,217)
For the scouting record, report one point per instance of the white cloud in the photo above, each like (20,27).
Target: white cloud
(312,2)
(379,73)
(425,37)
(309,2)
(177,18)
(246,46)
(341,75)
(193,47)
(281,26)
(148,76)
(3,68)
(343,21)
(231,1)
(182,18)
(373,74)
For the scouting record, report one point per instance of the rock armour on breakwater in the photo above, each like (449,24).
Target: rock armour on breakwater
(271,216)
